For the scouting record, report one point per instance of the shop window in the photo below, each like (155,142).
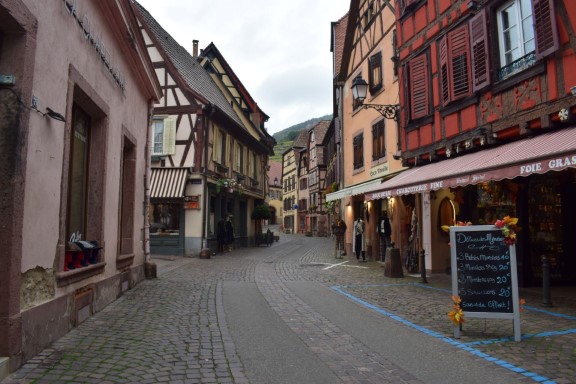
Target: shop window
(165,219)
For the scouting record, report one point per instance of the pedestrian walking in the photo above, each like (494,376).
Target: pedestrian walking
(385,230)
(229,233)
(221,237)
(358,243)
(339,231)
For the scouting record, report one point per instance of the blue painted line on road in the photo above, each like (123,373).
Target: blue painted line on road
(550,313)
(504,364)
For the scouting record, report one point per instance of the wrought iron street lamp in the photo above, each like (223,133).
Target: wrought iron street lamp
(359,91)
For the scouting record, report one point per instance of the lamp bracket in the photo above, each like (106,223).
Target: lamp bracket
(388,111)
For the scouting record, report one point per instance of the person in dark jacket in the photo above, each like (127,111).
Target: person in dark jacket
(339,230)
(221,237)
(385,230)
(229,233)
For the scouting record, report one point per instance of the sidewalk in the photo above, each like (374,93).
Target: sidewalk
(547,350)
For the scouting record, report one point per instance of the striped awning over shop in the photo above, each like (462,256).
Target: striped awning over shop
(552,151)
(168,183)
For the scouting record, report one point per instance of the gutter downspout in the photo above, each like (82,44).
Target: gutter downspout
(149,267)
(208,111)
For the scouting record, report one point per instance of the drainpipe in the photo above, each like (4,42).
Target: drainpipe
(207,111)
(149,268)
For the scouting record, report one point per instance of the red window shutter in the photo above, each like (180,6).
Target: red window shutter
(459,51)
(480,56)
(545,27)
(444,77)
(419,99)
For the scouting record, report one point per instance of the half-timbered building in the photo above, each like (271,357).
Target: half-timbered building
(369,143)
(488,111)
(210,148)
(317,220)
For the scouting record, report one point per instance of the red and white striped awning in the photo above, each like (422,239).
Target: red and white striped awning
(553,151)
(168,183)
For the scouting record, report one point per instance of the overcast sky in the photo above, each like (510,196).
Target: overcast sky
(280,49)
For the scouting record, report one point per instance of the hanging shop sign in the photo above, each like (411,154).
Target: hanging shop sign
(192,202)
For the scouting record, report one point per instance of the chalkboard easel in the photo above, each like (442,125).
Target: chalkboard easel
(484,274)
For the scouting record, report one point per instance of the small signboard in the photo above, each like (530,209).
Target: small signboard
(192,202)
(484,274)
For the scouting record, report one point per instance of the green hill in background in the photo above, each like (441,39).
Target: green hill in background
(285,137)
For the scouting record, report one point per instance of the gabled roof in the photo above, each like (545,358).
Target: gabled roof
(338,38)
(342,71)
(274,172)
(212,49)
(320,130)
(301,140)
(196,77)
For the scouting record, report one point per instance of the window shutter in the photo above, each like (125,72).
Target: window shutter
(459,45)
(545,27)
(226,157)
(216,145)
(419,87)
(480,56)
(169,136)
(444,78)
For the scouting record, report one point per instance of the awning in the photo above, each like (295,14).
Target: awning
(168,183)
(553,151)
(354,190)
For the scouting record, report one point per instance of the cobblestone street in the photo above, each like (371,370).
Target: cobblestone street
(182,327)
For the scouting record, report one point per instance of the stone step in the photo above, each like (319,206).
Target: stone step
(4,367)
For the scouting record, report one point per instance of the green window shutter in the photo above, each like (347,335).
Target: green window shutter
(169,136)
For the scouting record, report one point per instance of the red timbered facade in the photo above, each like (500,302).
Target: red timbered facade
(487,112)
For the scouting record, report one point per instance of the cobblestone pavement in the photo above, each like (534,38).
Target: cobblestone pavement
(173,329)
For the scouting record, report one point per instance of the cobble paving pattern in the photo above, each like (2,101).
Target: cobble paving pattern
(172,329)
(548,348)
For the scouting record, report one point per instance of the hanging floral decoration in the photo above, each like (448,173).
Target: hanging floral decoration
(456,314)
(509,229)
(229,185)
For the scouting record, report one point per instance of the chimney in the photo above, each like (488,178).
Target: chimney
(194,48)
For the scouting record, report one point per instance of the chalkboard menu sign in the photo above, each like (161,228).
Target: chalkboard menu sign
(484,272)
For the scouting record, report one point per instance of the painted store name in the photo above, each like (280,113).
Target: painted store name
(96,42)
(561,162)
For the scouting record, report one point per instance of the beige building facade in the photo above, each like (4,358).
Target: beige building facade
(75,99)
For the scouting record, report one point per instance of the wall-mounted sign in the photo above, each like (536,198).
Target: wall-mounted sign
(94,38)
(192,202)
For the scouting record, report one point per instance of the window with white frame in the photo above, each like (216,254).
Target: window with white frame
(515,31)
(164,136)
